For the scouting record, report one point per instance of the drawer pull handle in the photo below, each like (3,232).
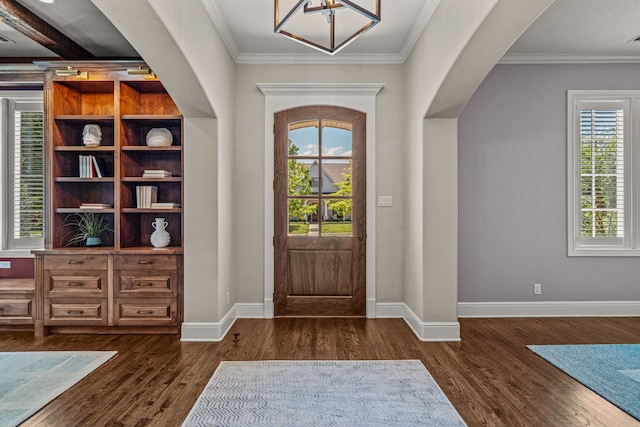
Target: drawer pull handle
(72,261)
(2,309)
(144,284)
(145,311)
(75,284)
(144,261)
(75,311)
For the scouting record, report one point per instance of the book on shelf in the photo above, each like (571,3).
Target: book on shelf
(146,195)
(92,167)
(164,205)
(156,173)
(95,206)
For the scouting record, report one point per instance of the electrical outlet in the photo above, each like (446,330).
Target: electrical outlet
(228,297)
(5,264)
(537,288)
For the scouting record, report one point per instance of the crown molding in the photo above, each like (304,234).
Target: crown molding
(427,12)
(223,29)
(535,58)
(315,58)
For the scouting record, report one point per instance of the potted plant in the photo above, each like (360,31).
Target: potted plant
(87,228)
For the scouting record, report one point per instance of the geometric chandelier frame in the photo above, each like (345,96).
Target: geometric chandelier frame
(328,8)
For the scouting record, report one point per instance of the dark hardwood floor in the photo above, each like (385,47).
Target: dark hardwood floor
(490,377)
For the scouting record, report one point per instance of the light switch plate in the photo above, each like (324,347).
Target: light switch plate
(385,201)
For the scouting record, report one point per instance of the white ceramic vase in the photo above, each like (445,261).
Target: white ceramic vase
(160,237)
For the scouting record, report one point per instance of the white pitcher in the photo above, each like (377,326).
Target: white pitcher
(160,237)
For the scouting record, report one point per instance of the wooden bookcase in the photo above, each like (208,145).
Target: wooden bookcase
(126,107)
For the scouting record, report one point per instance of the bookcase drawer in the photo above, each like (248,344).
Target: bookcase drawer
(80,284)
(16,309)
(154,312)
(75,262)
(84,313)
(145,262)
(147,283)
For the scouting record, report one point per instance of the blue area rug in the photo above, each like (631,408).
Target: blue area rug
(611,370)
(30,380)
(398,393)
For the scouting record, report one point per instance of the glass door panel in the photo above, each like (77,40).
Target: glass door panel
(319,194)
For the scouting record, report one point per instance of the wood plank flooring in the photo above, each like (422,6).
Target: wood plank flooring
(490,377)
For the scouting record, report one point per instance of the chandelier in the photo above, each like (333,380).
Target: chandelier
(304,16)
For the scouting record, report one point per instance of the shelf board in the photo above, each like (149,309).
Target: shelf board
(141,179)
(84,118)
(147,148)
(151,117)
(89,180)
(78,210)
(140,210)
(103,148)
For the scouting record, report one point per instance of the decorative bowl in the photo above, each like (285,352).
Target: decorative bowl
(159,137)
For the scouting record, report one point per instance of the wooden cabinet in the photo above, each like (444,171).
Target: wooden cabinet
(146,289)
(109,291)
(16,302)
(75,290)
(125,284)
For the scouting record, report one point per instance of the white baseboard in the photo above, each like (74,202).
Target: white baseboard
(209,331)
(431,331)
(216,331)
(550,309)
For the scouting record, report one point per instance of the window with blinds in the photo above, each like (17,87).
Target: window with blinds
(602,202)
(25,177)
(602,173)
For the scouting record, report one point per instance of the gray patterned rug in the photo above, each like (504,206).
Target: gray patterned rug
(30,380)
(398,393)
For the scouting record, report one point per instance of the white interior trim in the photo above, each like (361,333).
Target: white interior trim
(561,58)
(550,309)
(356,96)
(432,331)
(216,331)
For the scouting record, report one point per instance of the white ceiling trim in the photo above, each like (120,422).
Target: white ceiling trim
(311,58)
(532,58)
(424,17)
(223,29)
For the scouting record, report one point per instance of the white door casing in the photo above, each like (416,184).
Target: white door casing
(283,96)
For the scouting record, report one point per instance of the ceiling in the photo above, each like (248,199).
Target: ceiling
(569,31)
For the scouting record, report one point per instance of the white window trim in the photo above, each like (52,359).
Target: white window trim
(7,101)
(631,245)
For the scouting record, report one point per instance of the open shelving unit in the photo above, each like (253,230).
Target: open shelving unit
(125,285)
(126,108)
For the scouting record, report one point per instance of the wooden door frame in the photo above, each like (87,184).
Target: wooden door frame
(285,96)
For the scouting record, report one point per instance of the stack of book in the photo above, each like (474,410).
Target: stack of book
(95,206)
(146,195)
(156,173)
(92,167)
(165,205)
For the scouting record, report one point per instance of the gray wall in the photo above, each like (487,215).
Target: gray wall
(512,189)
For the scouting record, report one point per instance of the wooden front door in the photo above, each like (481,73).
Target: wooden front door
(320,218)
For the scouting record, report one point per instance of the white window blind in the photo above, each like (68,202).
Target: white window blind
(602,213)
(25,160)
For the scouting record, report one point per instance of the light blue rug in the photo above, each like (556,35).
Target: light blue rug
(398,393)
(611,370)
(30,380)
